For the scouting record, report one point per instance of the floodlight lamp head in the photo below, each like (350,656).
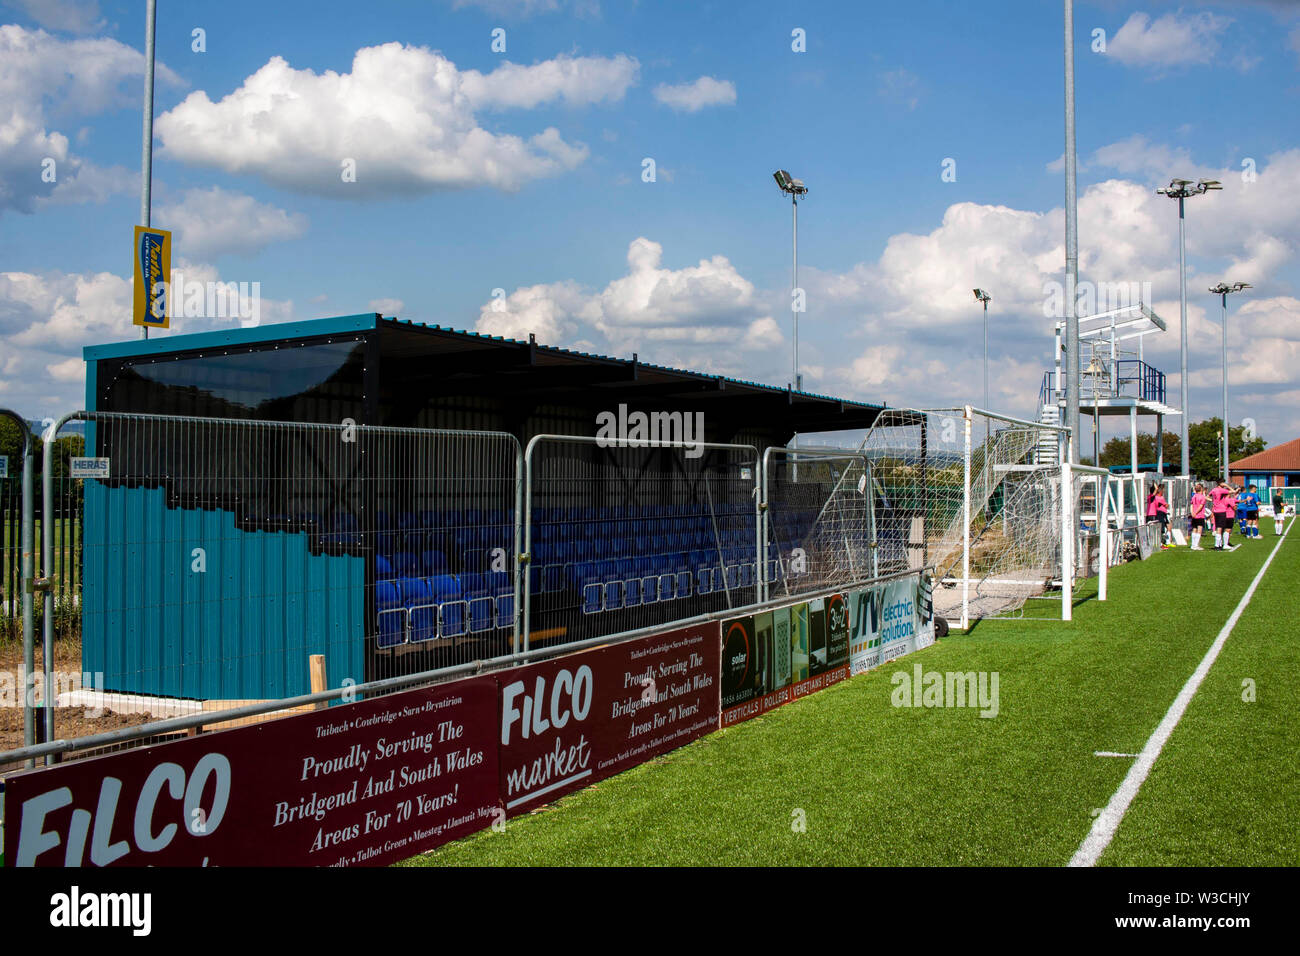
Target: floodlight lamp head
(1238,286)
(1207,184)
(1221,289)
(790,185)
(982,296)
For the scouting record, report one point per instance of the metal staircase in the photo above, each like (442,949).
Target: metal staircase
(1047,451)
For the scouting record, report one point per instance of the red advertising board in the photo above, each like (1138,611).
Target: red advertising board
(358,784)
(568,722)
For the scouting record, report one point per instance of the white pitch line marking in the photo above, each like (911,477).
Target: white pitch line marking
(1110,753)
(1108,821)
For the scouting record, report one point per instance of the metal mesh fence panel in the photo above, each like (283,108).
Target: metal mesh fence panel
(11,572)
(622,537)
(817,512)
(209,561)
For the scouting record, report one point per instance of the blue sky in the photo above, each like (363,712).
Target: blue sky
(522,171)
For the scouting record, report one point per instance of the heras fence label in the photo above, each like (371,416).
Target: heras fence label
(569,722)
(88,468)
(771,658)
(359,784)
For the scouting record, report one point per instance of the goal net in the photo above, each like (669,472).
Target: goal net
(978,496)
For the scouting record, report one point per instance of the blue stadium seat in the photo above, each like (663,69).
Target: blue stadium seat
(703,581)
(505,610)
(444,587)
(632,592)
(418,598)
(434,562)
(452,618)
(392,615)
(480,613)
(591,597)
(684,579)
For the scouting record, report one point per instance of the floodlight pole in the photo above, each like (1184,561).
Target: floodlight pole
(1222,290)
(1186,454)
(1071,243)
(796,188)
(146,153)
(1180,189)
(794,290)
(1223,295)
(984,297)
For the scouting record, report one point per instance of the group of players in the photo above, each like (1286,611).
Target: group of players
(1223,506)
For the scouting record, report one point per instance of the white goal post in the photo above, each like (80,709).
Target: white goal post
(989,501)
(1070,535)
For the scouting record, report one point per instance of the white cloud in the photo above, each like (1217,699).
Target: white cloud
(69,370)
(72,16)
(386,306)
(701,316)
(548,311)
(1152,160)
(404,116)
(1263,344)
(39,72)
(579,81)
(61,311)
(46,319)
(696,95)
(214,221)
(1174,39)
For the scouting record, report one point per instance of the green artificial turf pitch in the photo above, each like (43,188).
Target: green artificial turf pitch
(875,784)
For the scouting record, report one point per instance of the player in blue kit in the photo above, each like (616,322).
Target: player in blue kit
(1251,502)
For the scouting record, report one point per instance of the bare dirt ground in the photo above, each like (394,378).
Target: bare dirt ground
(69,721)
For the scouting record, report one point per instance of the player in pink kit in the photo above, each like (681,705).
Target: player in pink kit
(1224,505)
(1199,511)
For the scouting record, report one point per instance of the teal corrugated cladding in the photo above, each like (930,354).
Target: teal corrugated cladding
(241,629)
